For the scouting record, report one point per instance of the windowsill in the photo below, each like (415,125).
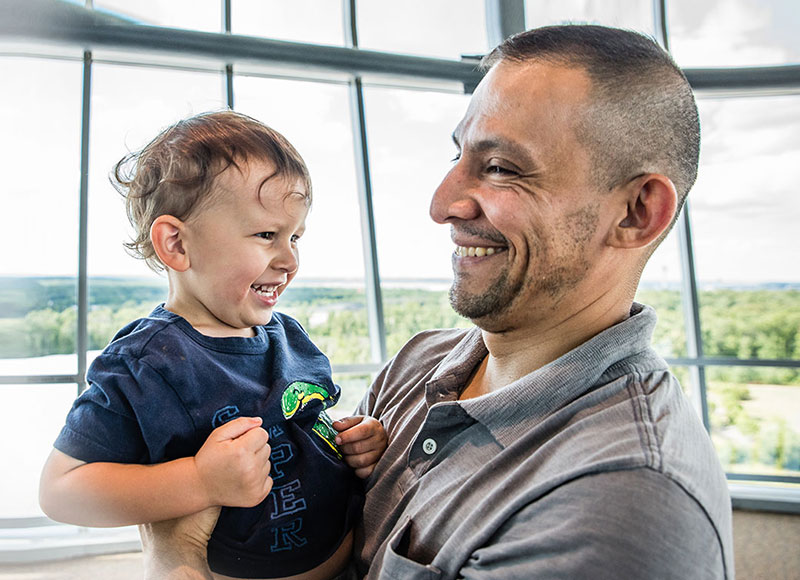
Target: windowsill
(766,498)
(39,539)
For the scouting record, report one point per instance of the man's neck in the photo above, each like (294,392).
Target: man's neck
(520,351)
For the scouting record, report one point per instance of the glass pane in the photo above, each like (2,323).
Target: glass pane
(25,458)
(39,223)
(130,105)
(660,287)
(410,146)
(205,15)
(444,29)
(327,296)
(755,420)
(353,389)
(745,213)
(742,33)
(313,21)
(633,14)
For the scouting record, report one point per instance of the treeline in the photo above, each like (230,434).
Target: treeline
(39,317)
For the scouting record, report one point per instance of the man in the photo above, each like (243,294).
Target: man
(549,441)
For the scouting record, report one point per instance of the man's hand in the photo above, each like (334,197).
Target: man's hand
(176,549)
(233,464)
(362,441)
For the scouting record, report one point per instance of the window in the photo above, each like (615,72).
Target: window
(725,283)
(741,33)
(410,147)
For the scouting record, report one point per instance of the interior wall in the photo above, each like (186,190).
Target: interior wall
(766,545)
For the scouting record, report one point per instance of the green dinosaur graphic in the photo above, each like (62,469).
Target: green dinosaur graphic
(297,396)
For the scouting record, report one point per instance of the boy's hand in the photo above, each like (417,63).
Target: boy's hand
(233,464)
(362,441)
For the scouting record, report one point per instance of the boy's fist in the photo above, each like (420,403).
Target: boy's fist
(362,440)
(233,464)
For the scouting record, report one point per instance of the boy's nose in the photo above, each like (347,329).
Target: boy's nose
(287,260)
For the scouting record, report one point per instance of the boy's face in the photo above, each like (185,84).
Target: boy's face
(242,250)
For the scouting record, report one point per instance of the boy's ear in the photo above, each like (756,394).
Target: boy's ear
(651,205)
(166,235)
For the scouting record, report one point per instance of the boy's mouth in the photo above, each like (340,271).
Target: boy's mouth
(264,290)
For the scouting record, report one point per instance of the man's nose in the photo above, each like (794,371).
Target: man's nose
(454,198)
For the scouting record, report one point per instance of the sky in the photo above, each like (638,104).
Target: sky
(744,207)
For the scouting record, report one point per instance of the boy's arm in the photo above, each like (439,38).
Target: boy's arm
(232,468)
(362,440)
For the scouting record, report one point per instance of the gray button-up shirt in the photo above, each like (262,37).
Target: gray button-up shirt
(593,466)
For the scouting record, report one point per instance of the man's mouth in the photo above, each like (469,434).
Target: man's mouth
(477,251)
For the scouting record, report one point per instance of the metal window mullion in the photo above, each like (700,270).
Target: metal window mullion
(689,297)
(226,23)
(691,315)
(660,23)
(504,18)
(83,226)
(377,329)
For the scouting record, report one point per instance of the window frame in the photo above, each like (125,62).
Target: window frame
(224,52)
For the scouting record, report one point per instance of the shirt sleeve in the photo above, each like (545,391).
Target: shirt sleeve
(625,524)
(113,419)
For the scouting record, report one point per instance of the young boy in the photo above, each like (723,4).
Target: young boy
(182,403)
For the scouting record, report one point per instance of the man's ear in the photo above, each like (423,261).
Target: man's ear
(166,235)
(651,205)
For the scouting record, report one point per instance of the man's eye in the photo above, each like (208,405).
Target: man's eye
(456,157)
(498,170)
(295,238)
(265,235)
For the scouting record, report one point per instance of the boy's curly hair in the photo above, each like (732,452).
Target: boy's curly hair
(174,173)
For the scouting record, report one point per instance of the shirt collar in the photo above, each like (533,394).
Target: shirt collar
(513,410)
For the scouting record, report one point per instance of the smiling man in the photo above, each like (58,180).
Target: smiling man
(550,440)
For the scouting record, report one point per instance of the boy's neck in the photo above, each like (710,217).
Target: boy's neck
(213,331)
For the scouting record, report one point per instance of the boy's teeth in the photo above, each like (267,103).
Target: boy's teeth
(264,290)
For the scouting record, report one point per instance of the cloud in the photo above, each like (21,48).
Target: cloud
(731,33)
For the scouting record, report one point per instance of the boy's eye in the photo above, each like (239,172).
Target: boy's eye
(265,235)
(295,238)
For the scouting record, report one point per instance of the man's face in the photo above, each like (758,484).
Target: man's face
(526,219)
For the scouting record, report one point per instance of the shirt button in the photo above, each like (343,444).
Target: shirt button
(429,446)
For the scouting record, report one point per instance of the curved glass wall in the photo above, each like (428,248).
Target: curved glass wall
(374,270)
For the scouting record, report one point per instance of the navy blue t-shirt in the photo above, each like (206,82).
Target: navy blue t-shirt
(159,389)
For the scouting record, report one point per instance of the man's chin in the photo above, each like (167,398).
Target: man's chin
(476,308)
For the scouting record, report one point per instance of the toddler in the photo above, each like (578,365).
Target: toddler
(181,404)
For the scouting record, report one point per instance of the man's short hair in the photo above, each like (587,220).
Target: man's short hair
(642,117)
(174,173)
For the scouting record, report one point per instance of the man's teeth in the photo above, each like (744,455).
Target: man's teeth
(464,251)
(264,290)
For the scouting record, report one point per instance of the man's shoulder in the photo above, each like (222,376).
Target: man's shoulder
(427,349)
(435,340)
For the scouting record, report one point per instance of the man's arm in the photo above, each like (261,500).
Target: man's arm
(176,549)
(625,524)
(232,468)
